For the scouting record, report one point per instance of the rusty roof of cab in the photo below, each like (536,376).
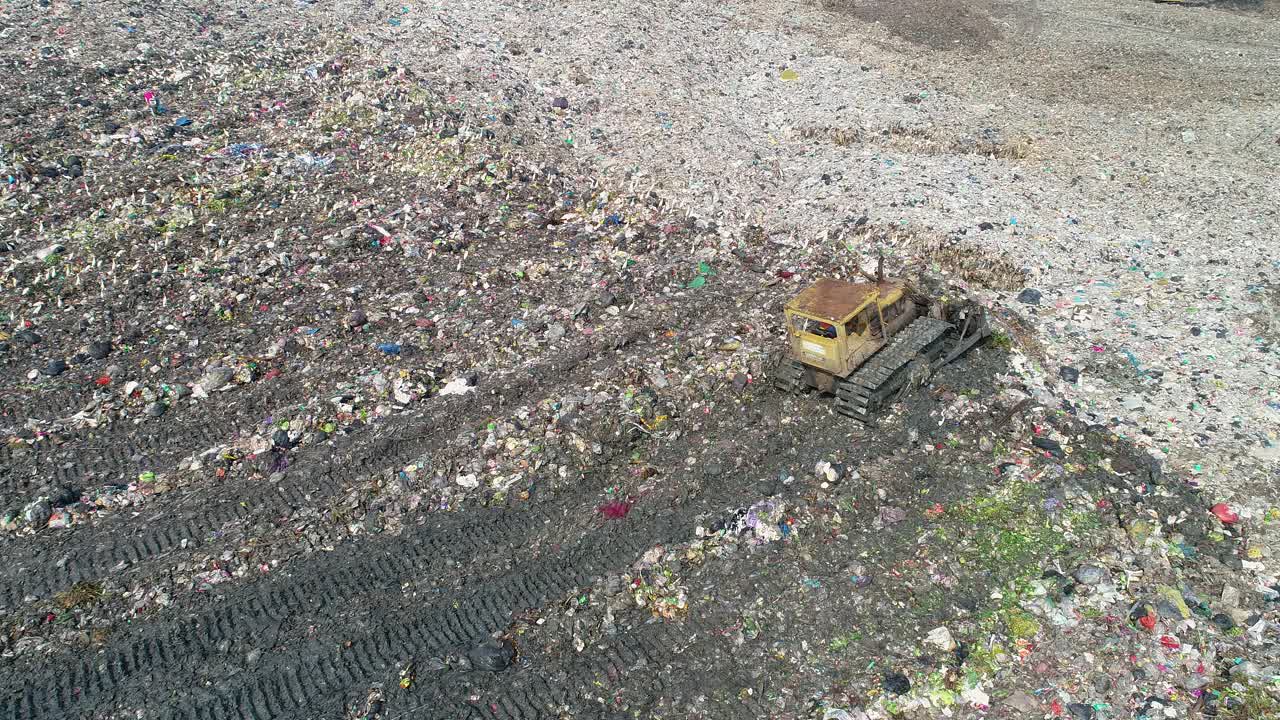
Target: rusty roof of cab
(834,300)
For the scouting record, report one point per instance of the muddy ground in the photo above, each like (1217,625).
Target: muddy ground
(353,366)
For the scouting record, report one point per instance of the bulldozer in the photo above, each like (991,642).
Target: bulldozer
(870,342)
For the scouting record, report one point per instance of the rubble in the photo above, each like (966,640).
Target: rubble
(390,343)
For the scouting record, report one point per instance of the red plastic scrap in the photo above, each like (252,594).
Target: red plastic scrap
(615,509)
(1225,513)
(1169,642)
(1148,621)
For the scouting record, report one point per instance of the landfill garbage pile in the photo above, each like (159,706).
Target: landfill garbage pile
(339,387)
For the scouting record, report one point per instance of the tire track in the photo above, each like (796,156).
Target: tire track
(437,627)
(326,585)
(318,474)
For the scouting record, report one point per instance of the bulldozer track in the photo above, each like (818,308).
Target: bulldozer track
(315,473)
(530,694)
(864,391)
(324,588)
(789,377)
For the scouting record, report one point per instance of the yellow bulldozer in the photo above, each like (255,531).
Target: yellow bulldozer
(867,343)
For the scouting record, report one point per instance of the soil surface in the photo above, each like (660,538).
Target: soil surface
(371,360)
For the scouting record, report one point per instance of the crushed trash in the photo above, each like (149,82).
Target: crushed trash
(337,338)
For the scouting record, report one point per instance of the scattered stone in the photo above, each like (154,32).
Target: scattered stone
(215,377)
(892,515)
(1029,296)
(99,349)
(940,638)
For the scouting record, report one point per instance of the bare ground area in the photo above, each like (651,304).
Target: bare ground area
(381,360)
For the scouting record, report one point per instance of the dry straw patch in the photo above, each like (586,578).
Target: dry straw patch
(922,141)
(959,258)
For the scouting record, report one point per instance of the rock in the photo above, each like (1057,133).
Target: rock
(1029,296)
(555,331)
(156,409)
(357,318)
(1069,374)
(1090,575)
(99,349)
(492,656)
(54,368)
(940,638)
(896,683)
(215,377)
(561,103)
(891,515)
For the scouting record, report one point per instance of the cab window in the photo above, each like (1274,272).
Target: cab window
(857,325)
(814,327)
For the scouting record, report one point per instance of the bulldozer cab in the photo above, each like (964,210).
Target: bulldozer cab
(834,325)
